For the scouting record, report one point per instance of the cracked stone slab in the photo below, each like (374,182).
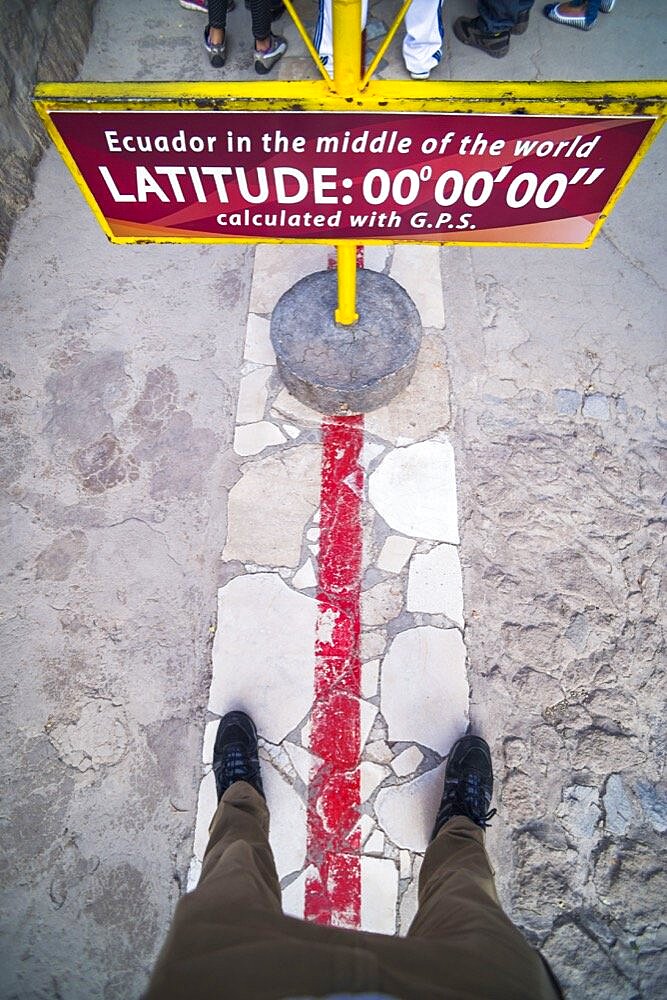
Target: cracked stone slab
(370,675)
(293,895)
(278,268)
(407,762)
(414,490)
(207,803)
(424,697)
(381,603)
(435,584)
(253,395)
(409,901)
(287,829)
(289,485)
(305,578)
(251,439)
(407,812)
(417,269)
(379,891)
(395,552)
(258,346)
(422,408)
(371,776)
(249,648)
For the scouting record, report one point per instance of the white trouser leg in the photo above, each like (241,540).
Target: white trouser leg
(424,31)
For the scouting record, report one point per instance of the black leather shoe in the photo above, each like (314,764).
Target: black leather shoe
(473,31)
(468,783)
(235,756)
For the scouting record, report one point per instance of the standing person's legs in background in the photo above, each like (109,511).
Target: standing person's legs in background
(503,15)
(268,48)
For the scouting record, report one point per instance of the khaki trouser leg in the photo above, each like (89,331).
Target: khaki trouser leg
(229,937)
(238,866)
(487,956)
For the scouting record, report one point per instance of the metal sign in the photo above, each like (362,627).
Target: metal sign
(206,176)
(499,164)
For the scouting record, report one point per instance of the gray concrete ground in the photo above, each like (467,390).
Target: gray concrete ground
(119,375)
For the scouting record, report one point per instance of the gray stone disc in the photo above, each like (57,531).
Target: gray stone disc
(346,369)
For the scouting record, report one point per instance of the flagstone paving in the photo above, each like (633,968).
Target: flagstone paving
(263,651)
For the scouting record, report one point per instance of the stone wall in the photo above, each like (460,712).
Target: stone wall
(42,40)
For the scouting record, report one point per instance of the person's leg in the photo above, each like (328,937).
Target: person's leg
(260,13)
(458,904)
(217,20)
(238,865)
(323,34)
(215,34)
(422,45)
(268,48)
(502,15)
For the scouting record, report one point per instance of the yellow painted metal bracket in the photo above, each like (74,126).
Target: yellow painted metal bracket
(553,97)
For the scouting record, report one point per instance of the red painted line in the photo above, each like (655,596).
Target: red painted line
(333,892)
(331,259)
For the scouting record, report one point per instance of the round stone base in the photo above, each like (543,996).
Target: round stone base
(346,369)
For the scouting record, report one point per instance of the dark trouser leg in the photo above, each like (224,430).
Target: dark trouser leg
(260,12)
(458,904)
(501,15)
(217,13)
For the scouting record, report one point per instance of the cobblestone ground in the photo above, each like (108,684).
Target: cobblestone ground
(120,373)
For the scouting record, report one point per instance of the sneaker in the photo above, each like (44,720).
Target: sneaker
(421,76)
(468,783)
(472,31)
(521,23)
(216,53)
(235,756)
(265,61)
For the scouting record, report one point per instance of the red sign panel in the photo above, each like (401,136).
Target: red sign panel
(260,175)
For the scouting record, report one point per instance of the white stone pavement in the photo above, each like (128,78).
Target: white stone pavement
(414,700)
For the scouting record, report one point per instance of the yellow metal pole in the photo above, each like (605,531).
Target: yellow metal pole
(347,46)
(347,78)
(346,261)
